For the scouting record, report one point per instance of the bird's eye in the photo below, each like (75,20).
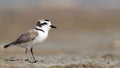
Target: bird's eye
(44,23)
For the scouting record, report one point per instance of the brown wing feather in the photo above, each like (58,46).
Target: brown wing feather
(26,37)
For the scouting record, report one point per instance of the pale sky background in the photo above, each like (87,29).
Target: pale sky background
(107,4)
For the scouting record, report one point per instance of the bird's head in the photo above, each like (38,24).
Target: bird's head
(45,24)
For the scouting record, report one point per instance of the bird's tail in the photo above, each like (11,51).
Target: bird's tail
(6,46)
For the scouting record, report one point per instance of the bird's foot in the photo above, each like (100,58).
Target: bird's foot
(31,61)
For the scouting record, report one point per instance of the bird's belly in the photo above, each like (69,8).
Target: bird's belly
(39,39)
(33,43)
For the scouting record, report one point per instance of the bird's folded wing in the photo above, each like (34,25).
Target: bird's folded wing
(26,37)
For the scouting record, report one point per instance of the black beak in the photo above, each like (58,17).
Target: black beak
(53,26)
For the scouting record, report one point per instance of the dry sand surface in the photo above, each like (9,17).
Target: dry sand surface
(15,58)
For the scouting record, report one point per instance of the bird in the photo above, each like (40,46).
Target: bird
(33,37)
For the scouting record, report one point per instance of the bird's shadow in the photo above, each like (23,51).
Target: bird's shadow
(14,59)
(19,59)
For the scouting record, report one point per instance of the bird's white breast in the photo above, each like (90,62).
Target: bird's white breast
(41,37)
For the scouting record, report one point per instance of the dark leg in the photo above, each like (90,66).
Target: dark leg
(26,52)
(31,50)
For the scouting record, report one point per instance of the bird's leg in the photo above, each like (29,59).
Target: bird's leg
(26,52)
(31,50)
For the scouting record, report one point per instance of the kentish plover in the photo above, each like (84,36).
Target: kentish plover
(33,37)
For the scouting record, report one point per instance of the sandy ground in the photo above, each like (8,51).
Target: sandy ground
(64,61)
(15,58)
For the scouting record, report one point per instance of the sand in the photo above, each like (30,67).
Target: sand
(104,60)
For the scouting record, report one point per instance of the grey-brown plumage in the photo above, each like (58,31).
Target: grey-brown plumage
(25,37)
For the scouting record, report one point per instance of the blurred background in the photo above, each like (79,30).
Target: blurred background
(83,25)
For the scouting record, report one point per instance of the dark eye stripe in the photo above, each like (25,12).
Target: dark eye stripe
(44,23)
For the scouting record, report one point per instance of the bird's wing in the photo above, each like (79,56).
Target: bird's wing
(26,37)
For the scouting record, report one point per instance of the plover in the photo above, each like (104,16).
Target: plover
(33,37)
